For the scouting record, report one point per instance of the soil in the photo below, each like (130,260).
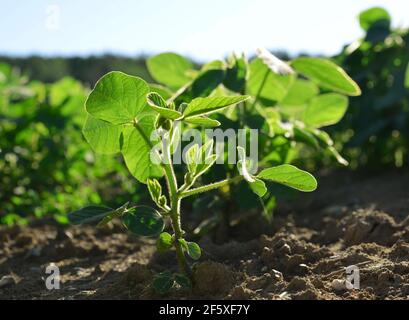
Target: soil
(352,219)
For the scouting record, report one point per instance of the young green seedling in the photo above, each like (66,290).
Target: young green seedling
(125,116)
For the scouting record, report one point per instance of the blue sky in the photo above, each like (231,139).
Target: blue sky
(201,29)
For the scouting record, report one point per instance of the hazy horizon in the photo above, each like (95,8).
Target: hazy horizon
(202,30)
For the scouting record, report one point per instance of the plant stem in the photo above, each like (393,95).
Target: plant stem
(211,186)
(174,206)
(243,109)
(177,228)
(179,92)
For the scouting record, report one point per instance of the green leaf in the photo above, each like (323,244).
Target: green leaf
(143,221)
(175,141)
(155,190)
(193,250)
(118,98)
(61,90)
(258,187)
(206,82)
(202,106)
(89,214)
(199,160)
(326,74)
(154,187)
(371,16)
(272,117)
(212,65)
(407,77)
(300,92)
(169,69)
(325,110)
(297,98)
(164,242)
(205,165)
(162,90)
(163,282)
(192,156)
(236,74)
(183,281)
(102,136)
(202,121)
(163,123)
(159,105)
(114,214)
(265,84)
(137,148)
(290,176)
(206,151)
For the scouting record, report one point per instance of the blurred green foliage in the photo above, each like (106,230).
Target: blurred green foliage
(44,159)
(86,70)
(375,131)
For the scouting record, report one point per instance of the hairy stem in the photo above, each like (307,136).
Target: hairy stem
(180,91)
(211,186)
(243,109)
(174,206)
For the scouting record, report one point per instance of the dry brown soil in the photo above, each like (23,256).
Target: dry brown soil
(353,219)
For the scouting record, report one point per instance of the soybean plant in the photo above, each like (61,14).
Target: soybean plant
(125,115)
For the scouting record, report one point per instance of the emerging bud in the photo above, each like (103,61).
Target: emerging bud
(276,65)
